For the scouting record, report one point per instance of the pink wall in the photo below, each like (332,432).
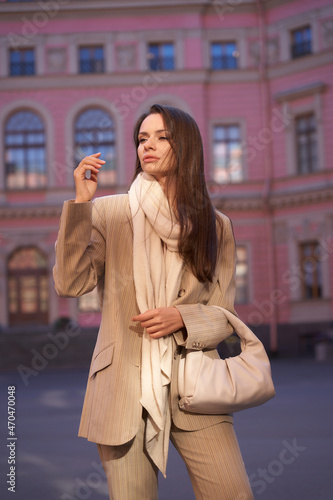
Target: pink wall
(212,97)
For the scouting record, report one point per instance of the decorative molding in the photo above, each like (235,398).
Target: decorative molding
(300,92)
(272,51)
(299,199)
(126,57)
(327,27)
(296,66)
(26,212)
(56,60)
(274,202)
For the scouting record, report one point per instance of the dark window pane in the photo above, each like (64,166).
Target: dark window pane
(301,42)
(311,270)
(22,62)
(91,59)
(161,56)
(223,55)
(306,140)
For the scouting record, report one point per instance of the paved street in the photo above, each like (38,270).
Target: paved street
(287,444)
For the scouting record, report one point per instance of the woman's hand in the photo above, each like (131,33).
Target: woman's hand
(86,188)
(161,321)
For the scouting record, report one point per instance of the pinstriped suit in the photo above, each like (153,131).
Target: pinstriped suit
(94,247)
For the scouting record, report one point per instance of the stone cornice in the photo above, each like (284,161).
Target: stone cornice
(235,202)
(119,79)
(299,92)
(176,77)
(276,201)
(289,200)
(32,212)
(120,7)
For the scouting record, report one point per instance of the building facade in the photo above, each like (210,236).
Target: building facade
(256,75)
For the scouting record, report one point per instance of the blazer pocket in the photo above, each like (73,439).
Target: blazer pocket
(102,360)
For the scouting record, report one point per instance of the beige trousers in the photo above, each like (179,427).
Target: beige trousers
(212,457)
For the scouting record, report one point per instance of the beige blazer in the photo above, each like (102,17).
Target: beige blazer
(94,248)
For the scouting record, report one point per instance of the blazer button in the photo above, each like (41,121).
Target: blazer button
(181,292)
(195,344)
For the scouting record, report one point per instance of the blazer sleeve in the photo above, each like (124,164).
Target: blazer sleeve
(80,248)
(207,326)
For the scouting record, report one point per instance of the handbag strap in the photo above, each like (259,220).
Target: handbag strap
(248,338)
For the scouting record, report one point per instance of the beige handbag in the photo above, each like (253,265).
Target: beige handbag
(218,386)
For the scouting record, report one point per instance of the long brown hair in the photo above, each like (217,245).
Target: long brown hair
(198,243)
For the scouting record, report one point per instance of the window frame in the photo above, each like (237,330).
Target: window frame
(303,48)
(22,64)
(26,146)
(317,286)
(247,275)
(96,146)
(224,57)
(16,276)
(227,122)
(160,57)
(311,162)
(92,61)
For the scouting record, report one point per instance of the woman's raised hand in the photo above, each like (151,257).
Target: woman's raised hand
(86,188)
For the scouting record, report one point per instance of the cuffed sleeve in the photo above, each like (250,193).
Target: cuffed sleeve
(207,326)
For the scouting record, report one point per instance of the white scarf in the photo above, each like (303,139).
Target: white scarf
(157,274)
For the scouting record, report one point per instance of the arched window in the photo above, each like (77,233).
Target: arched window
(25,151)
(94,132)
(28,296)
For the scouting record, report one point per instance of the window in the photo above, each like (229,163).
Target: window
(22,62)
(27,287)
(91,60)
(161,56)
(227,154)
(306,143)
(242,292)
(301,42)
(25,151)
(223,55)
(94,132)
(311,270)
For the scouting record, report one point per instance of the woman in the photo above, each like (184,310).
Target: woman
(161,257)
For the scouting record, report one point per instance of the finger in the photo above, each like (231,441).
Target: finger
(158,335)
(153,329)
(143,316)
(82,169)
(92,161)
